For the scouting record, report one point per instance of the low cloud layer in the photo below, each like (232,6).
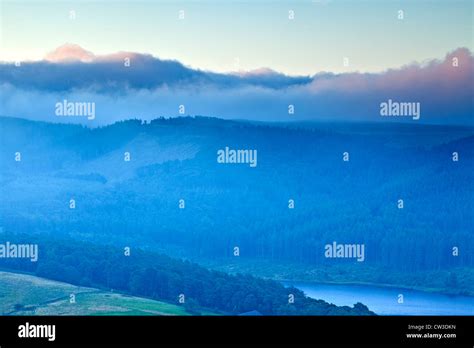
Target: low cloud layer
(151,87)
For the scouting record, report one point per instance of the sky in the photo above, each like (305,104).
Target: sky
(223,36)
(238,59)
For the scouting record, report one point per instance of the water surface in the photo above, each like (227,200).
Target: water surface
(384,301)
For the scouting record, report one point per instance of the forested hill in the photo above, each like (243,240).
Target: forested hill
(160,277)
(174,196)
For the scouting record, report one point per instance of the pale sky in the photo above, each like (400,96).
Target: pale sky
(227,36)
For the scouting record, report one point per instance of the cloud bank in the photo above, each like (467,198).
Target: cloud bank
(150,87)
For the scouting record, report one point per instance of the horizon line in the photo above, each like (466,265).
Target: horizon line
(146,122)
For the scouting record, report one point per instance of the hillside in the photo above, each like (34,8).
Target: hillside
(22,294)
(137,202)
(159,277)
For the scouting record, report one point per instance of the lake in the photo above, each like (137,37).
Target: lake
(384,300)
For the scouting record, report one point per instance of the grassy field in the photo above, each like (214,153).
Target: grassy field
(22,294)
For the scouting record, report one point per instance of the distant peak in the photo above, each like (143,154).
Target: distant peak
(257,72)
(70,52)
